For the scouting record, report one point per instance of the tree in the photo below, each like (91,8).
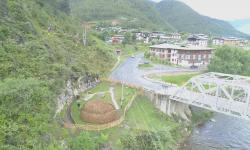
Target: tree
(134,38)
(104,35)
(230,60)
(127,38)
(64,6)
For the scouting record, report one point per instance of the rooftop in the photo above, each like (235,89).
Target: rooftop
(228,38)
(198,37)
(178,47)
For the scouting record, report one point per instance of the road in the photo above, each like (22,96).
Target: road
(129,72)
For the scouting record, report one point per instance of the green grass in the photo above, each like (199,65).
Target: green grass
(75,112)
(157,60)
(178,79)
(102,87)
(143,66)
(127,92)
(144,117)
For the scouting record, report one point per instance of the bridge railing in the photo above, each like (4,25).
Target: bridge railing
(217,94)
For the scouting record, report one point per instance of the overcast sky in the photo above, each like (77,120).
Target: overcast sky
(221,9)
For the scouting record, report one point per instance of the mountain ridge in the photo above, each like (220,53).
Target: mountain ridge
(242,25)
(136,13)
(188,20)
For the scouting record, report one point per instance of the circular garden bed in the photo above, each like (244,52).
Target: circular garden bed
(98,112)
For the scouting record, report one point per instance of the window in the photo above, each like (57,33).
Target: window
(199,57)
(194,56)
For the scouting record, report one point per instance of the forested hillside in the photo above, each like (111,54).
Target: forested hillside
(40,48)
(168,15)
(183,18)
(130,13)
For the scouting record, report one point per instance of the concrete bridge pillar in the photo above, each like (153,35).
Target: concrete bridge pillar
(168,106)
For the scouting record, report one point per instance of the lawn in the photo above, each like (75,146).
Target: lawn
(178,79)
(101,87)
(143,66)
(105,96)
(144,117)
(75,112)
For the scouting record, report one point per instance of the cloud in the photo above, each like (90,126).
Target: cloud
(156,0)
(221,9)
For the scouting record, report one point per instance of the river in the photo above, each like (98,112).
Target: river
(226,133)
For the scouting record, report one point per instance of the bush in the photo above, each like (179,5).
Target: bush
(147,140)
(83,142)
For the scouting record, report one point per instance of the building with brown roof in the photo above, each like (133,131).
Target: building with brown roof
(182,55)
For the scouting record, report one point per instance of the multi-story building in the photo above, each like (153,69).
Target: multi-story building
(218,41)
(229,41)
(197,40)
(174,36)
(182,55)
(142,36)
(117,39)
(232,41)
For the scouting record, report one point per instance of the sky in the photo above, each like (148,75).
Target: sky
(221,9)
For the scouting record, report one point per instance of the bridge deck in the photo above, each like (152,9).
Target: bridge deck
(227,94)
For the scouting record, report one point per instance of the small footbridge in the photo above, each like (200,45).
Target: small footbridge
(223,93)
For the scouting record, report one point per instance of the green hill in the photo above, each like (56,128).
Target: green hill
(40,49)
(132,13)
(183,18)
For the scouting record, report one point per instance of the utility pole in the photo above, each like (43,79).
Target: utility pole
(122,94)
(84,35)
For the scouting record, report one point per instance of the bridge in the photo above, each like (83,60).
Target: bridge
(223,93)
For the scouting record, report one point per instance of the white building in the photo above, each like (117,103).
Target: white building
(218,41)
(196,40)
(182,55)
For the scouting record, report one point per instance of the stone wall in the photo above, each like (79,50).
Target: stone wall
(74,87)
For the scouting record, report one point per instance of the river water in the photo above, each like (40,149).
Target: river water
(226,133)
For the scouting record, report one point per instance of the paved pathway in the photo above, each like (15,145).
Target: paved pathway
(112,94)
